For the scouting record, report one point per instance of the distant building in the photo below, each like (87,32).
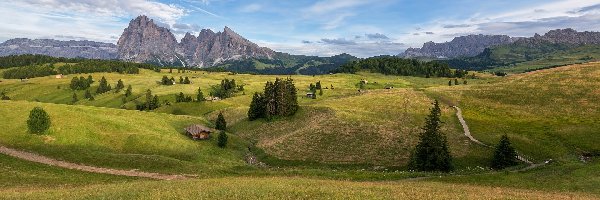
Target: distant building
(59,76)
(364,81)
(310,94)
(389,87)
(198,132)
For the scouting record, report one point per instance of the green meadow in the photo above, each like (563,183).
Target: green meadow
(347,143)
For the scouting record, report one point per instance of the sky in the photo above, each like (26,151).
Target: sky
(362,28)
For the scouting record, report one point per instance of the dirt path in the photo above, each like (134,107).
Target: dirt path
(468,134)
(53,162)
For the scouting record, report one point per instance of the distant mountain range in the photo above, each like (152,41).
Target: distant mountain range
(143,41)
(56,48)
(473,45)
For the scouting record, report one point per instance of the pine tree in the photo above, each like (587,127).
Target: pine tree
(74,83)
(186,81)
(74,99)
(200,95)
(103,87)
(39,121)
(465,82)
(179,98)
(455,81)
(180,80)
(221,124)
(222,139)
(128,91)
(155,103)
(450,83)
(120,85)
(148,105)
(320,92)
(432,153)
(90,80)
(170,70)
(504,155)
(318,85)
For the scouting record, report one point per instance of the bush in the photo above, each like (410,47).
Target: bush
(39,121)
(222,139)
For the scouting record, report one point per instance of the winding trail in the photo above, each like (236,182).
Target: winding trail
(53,162)
(468,134)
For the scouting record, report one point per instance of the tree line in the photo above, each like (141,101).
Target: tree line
(391,65)
(29,59)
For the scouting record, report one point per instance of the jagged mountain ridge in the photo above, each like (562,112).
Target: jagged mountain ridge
(57,48)
(463,46)
(144,41)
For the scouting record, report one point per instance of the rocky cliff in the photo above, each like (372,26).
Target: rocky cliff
(462,46)
(144,41)
(563,36)
(56,48)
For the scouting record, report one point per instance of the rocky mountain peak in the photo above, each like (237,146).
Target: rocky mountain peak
(144,41)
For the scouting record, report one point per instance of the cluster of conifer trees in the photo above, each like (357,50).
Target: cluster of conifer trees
(29,59)
(278,100)
(81,83)
(29,72)
(151,103)
(226,89)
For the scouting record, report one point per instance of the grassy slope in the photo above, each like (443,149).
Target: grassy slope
(286,188)
(23,174)
(547,114)
(117,138)
(567,56)
(371,137)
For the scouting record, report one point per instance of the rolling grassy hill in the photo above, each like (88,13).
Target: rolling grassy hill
(548,114)
(117,138)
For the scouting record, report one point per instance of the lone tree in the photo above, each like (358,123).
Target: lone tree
(505,155)
(200,95)
(128,91)
(103,87)
(74,99)
(221,124)
(432,154)
(120,86)
(222,139)
(39,121)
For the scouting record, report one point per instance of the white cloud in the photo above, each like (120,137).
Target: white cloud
(250,8)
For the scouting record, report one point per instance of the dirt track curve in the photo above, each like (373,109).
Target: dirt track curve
(53,162)
(468,134)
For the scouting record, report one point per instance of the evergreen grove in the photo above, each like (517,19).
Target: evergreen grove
(278,100)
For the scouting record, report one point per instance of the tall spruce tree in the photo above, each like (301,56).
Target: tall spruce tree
(504,155)
(222,139)
(221,124)
(39,121)
(186,80)
(432,153)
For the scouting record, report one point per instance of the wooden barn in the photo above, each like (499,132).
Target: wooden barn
(198,132)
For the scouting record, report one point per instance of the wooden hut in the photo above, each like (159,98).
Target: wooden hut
(198,132)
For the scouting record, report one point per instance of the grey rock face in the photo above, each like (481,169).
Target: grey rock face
(470,45)
(144,41)
(564,36)
(56,48)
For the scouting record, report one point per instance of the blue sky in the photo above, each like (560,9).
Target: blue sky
(316,27)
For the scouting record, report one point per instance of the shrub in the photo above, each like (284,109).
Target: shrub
(39,121)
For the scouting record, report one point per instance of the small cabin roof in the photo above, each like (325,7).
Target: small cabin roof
(197,128)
